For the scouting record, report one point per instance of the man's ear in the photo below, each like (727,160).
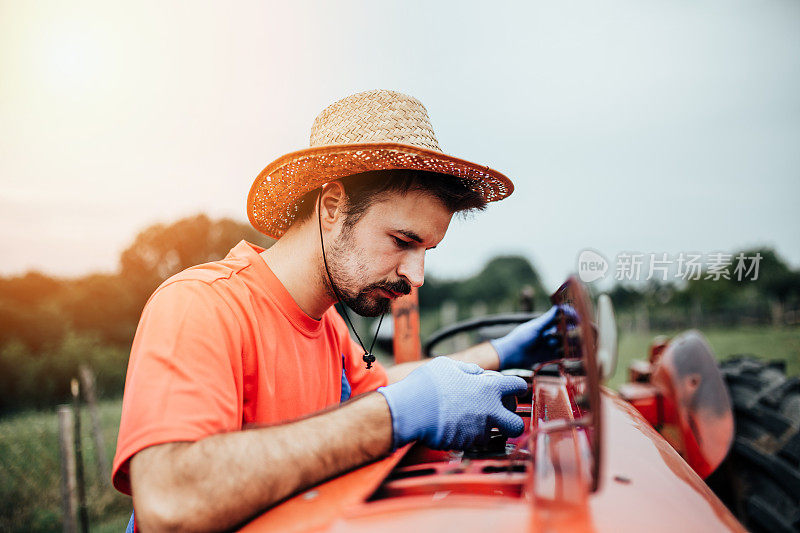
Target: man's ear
(332,203)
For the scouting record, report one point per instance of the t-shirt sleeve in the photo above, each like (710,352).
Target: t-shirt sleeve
(184,374)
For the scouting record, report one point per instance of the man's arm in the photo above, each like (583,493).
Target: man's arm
(483,355)
(220,481)
(526,345)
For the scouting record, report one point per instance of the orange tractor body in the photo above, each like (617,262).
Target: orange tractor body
(589,460)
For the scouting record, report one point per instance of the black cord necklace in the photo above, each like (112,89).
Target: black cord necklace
(368,356)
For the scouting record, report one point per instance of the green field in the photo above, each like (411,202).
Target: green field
(30,473)
(29,455)
(763,342)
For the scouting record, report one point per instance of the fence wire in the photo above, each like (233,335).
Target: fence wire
(30,472)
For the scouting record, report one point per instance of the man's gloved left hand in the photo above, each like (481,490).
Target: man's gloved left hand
(449,404)
(530,343)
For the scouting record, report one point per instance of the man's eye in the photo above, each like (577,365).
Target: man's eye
(401,243)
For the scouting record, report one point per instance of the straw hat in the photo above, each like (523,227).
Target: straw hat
(373,130)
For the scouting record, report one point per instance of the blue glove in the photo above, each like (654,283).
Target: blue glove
(533,342)
(448,404)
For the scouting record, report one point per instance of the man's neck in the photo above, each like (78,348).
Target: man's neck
(297,265)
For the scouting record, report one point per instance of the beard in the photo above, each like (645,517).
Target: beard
(347,265)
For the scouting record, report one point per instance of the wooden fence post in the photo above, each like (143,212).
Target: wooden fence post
(642,319)
(479,309)
(69,485)
(83,513)
(448,315)
(87,382)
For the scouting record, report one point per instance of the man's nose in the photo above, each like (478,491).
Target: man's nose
(413,268)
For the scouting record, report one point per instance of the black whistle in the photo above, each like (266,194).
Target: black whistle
(369,359)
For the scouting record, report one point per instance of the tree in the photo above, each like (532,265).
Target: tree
(49,326)
(101,304)
(625,297)
(775,278)
(29,310)
(775,282)
(161,251)
(501,280)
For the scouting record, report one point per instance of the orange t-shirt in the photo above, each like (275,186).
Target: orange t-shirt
(223,345)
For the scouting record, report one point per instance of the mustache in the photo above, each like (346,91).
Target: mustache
(400,286)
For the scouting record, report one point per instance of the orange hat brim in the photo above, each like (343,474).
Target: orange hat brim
(273,198)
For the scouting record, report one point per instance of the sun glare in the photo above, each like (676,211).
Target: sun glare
(72,59)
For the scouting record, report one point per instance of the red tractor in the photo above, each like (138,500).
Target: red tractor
(590,459)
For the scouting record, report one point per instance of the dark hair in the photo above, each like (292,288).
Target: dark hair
(365,189)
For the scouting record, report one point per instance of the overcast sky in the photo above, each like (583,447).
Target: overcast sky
(626,125)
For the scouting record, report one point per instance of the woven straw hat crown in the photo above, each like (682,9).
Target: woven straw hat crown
(372,130)
(375,116)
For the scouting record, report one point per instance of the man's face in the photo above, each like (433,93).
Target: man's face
(382,255)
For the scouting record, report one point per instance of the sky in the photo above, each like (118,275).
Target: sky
(626,125)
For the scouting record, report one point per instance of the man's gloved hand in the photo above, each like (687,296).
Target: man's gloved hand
(448,404)
(533,342)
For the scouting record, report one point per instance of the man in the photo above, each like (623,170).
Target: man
(240,370)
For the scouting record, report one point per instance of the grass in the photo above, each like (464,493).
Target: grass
(762,342)
(30,498)
(30,472)
(115,524)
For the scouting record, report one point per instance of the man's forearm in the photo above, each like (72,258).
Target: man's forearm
(483,355)
(219,481)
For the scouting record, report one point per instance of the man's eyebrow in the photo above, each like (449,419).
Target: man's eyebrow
(413,236)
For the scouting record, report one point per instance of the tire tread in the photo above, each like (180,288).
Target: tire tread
(760,479)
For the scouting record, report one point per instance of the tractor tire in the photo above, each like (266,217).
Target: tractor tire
(759,481)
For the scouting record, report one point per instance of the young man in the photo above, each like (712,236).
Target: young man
(240,372)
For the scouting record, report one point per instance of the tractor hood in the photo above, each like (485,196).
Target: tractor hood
(587,461)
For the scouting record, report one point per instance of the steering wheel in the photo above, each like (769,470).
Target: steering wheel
(472,324)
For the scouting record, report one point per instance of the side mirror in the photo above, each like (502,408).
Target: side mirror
(606,337)
(690,378)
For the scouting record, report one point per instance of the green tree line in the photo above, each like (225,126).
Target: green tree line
(500,285)
(773,297)
(50,325)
